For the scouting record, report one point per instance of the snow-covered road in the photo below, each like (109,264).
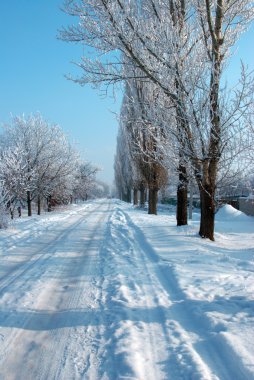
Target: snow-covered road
(50,298)
(102,291)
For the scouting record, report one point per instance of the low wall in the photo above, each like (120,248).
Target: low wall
(246,205)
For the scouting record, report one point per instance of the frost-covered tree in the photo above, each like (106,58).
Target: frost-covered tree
(85,181)
(153,37)
(130,136)
(28,135)
(122,167)
(99,190)
(62,172)
(221,23)
(4,201)
(144,139)
(13,175)
(38,161)
(249,125)
(56,167)
(182,48)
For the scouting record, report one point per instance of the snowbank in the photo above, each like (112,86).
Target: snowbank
(229,213)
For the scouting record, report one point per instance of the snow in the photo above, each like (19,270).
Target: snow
(104,291)
(227,212)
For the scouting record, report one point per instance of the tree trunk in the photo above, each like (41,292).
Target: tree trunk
(207,190)
(29,203)
(182,197)
(207,206)
(128,195)
(191,201)
(152,201)
(39,205)
(142,199)
(135,197)
(49,203)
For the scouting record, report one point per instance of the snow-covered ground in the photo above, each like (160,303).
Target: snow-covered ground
(104,291)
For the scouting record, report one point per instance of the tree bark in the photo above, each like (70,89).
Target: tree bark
(152,201)
(142,199)
(182,197)
(29,203)
(207,206)
(39,205)
(207,189)
(191,201)
(135,197)
(128,195)
(49,203)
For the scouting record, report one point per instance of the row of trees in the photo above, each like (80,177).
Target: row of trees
(177,111)
(39,165)
(139,162)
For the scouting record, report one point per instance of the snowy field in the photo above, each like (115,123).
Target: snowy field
(103,291)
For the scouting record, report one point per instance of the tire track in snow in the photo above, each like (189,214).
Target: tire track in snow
(59,340)
(42,254)
(91,339)
(209,352)
(9,243)
(19,282)
(136,338)
(151,324)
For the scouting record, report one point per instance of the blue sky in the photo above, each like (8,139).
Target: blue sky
(32,67)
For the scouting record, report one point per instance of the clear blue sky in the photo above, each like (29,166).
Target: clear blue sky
(32,67)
